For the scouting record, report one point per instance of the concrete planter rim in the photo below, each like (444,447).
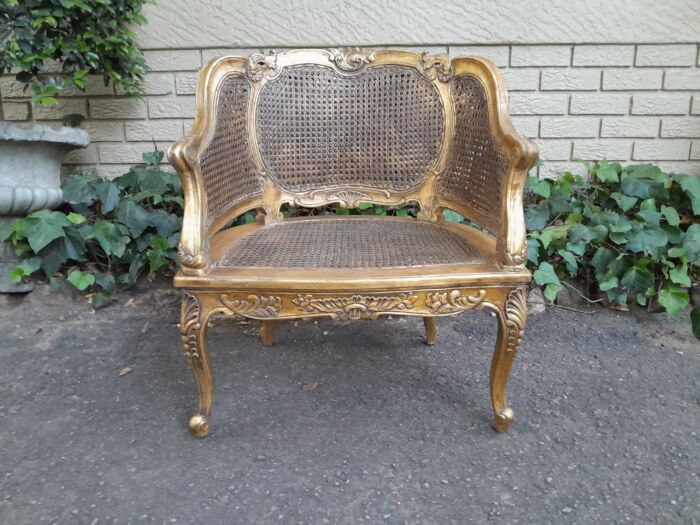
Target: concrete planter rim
(43,133)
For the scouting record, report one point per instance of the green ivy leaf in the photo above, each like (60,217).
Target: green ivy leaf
(541,187)
(78,190)
(81,280)
(691,186)
(545,274)
(570,260)
(153,158)
(108,193)
(695,322)
(113,238)
(625,202)
(536,217)
(679,273)
(75,218)
(133,217)
(671,215)
(604,172)
(42,227)
(673,298)
(551,290)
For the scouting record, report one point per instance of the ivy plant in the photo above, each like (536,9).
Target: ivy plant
(109,233)
(82,36)
(632,233)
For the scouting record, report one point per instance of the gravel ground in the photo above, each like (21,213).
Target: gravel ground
(607,420)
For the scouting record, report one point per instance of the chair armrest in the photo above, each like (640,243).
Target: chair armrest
(486,177)
(512,239)
(193,249)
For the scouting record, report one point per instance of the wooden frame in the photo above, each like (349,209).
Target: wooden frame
(497,283)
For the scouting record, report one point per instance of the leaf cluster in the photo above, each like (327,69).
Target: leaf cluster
(108,234)
(631,233)
(82,36)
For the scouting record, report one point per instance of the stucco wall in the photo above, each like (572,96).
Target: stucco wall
(589,80)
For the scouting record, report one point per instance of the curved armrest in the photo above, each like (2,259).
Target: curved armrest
(495,150)
(194,241)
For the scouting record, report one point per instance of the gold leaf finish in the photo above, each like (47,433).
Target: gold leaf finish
(454,301)
(476,165)
(256,306)
(354,306)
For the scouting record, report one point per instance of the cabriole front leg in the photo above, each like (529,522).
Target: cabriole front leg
(511,326)
(193,322)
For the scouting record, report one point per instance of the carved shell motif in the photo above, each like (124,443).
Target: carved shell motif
(350,59)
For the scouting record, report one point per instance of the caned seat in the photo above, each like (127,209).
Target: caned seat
(311,128)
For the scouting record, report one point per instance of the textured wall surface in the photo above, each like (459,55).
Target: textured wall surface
(301,23)
(619,80)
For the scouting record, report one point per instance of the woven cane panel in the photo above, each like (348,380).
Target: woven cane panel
(476,167)
(226,163)
(349,243)
(382,128)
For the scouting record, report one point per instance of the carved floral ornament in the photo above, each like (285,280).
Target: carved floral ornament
(354,306)
(260,65)
(437,66)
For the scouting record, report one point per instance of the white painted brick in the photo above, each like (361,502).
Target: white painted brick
(661,104)
(186,83)
(603,55)
(611,149)
(599,104)
(187,126)
(527,126)
(695,150)
(554,149)
(104,130)
(630,127)
(430,50)
(15,110)
(112,171)
(666,55)
(682,79)
(86,155)
(176,60)
(161,129)
(695,108)
(159,84)
(522,56)
(65,106)
(499,55)
(117,108)
(632,79)
(211,54)
(171,107)
(538,104)
(570,79)
(673,127)
(686,168)
(661,150)
(127,152)
(10,88)
(522,79)
(569,127)
(554,170)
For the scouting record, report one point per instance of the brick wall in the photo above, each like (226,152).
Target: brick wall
(632,103)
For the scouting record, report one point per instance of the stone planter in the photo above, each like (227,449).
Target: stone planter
(30,178)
